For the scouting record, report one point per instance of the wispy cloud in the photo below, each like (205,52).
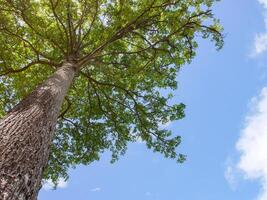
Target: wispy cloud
(97,189)
(260,40)
(49,185)
(264,3)
(148,193)
(252,145)
(231,177)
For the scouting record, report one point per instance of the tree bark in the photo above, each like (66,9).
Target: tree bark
(26,134)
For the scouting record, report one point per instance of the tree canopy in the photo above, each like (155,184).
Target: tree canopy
(128,50)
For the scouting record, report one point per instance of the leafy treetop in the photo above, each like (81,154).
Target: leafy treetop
(127,51)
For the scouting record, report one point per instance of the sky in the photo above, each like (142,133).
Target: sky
(224,133)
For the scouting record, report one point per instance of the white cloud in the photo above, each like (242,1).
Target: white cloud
(49,185)
(264,3)
(263,194)
(252,144)
(97,189)
(260,41)
(62,183)
(230,175)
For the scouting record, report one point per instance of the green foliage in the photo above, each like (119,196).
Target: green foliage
(127,51)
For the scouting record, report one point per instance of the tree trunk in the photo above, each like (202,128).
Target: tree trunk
(26,133)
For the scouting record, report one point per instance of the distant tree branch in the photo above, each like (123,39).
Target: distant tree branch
(35,50)
(80,46)
(58,20)
(131,27)
(118,35)
(14,71)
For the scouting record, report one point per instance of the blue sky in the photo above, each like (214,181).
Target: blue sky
(224,132)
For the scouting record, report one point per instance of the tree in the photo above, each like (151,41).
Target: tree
(104,64)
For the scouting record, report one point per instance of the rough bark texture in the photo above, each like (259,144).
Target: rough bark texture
(26,134)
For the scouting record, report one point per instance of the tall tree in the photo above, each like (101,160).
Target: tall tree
(103,64)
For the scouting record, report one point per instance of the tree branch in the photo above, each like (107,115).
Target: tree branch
(66,110)
(59,21)
(14,71)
